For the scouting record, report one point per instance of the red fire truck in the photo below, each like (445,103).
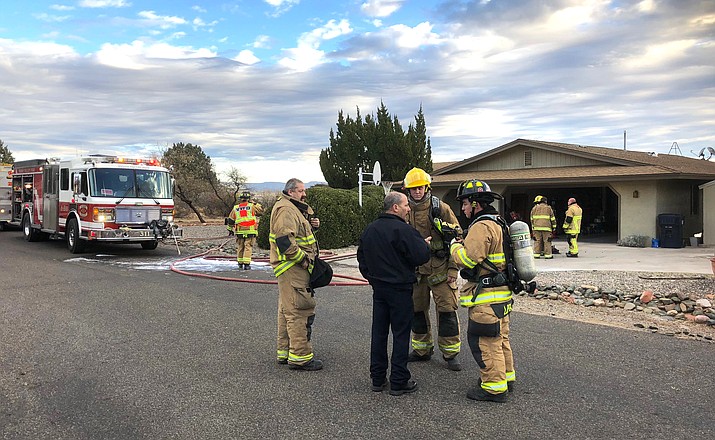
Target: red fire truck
(94,198)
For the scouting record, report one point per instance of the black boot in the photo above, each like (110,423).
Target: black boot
(453,364)
(313,365)
(409,387)
(478,393)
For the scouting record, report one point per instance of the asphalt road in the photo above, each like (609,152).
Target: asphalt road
(103,347)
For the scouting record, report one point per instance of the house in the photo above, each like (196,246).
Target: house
(622,192)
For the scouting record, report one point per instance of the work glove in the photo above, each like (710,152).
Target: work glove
(553,234)
(230,232)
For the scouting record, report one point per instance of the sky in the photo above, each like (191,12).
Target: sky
(258,84)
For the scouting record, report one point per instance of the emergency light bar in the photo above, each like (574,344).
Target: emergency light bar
(115,159)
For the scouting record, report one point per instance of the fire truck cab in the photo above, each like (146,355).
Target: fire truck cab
(94,198)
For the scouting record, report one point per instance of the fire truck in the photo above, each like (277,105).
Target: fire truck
(94,198)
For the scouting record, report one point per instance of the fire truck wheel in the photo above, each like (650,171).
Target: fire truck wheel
(150,245)
(30,233)
(74,243)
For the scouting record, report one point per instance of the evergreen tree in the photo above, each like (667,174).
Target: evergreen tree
(5,154)
(381,138)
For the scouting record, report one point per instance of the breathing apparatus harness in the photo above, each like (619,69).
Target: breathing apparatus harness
(447,231)
(496,278)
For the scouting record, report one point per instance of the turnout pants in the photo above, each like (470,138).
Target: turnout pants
(244,248)
(296,313)
(488,336)
(446,301)
(542,244)
(573,244)
(391,309)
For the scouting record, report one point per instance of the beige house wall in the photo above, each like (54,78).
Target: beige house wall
(637,214)
(516,158)
(708,192)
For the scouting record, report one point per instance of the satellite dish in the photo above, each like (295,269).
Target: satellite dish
(376,173)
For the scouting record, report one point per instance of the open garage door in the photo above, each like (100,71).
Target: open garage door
(599,203)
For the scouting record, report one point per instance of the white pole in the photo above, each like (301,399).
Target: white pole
(360,186)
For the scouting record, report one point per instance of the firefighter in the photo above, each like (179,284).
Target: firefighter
(572,226)
(543,227)
(432,218)
(242,223)
(293,250)
(485,293)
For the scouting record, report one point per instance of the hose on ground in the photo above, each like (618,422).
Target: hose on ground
(328,256)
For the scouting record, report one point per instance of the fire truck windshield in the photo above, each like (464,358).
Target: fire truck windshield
(129,183)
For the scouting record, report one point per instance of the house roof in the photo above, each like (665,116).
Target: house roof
(437,165)
(615,163)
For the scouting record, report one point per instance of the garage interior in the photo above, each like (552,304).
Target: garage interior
(599,204)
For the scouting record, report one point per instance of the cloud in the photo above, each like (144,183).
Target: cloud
(381,8)
(281,6)
(484,72)
(307,54)
(51,18)
(261,42)
(161,21)
(104,4)
(139,55)
(247,57)
(62,7)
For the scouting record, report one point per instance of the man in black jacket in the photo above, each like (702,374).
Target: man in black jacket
(388,254)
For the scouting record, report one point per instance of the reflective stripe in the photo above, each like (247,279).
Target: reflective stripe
(496,387)
(497,258)
(294,358)
(451,348)
(421,345)
(247,217)
(542,228)
(307,241)
(278,270)
(464,260)
(495,296)
(282,257)
(510,376)
(282,354)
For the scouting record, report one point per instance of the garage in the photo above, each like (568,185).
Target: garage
(622,192)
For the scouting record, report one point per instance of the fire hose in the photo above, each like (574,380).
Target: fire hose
(327,256)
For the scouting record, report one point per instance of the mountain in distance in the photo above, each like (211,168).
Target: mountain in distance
(277,186)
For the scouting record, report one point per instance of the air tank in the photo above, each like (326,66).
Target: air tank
(523,252)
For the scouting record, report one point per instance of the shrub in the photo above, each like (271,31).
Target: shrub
(341,218)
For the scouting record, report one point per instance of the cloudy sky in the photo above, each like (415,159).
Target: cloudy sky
(258,83)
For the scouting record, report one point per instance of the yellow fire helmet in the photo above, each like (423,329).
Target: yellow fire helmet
(538,199)
(417,177)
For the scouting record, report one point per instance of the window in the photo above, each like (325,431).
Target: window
(64,179)
(130,183)
(527,158)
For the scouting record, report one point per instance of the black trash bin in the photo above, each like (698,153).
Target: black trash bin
(670,230)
